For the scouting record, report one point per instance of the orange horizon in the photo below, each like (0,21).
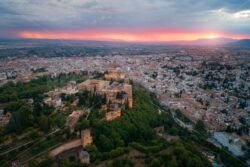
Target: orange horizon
(128,37)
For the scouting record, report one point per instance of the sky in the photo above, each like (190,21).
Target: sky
(125,20)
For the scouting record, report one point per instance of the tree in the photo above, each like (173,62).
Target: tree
(84,124)
(195,162)
(44,123)
(200,126)
(155,163)
(33,163)
(21,119)
(47,110)
(105,143)
(83,98)
(26,110)
(173,163)
(15,123)
(37,109)
(122,163)
(12,107)
(126,104)
(96,100)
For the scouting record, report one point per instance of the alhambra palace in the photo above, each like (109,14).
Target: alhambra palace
(111,91)
(117,91)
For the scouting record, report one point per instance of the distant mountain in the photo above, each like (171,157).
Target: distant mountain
(208,42)
(241,43)
(205,42)
(32,43)
(215,41)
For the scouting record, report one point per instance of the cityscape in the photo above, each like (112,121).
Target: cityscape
(136,92)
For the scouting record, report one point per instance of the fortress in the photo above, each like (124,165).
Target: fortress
(85,140)
(115,75)
(116,94)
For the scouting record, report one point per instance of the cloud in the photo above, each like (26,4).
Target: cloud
(126,14)
(245,14)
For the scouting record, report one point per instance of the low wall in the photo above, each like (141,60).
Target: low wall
(66,146)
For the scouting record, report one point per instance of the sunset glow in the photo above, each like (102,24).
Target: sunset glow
(129,20)
(126,37)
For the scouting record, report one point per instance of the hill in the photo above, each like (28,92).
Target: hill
(241,43)
(206,42)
